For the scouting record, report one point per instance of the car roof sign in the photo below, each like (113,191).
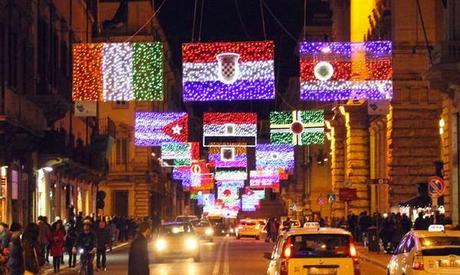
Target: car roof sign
(311,225)
(436,228)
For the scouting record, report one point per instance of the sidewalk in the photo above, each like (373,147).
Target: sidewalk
(49,269)
(379,259)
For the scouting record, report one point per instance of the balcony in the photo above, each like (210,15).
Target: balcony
(21,112)
(444,74)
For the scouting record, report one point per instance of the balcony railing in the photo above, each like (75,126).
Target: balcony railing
(21,111)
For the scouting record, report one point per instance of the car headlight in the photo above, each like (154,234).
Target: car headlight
(191,244)
(232,230)
(209,231)
(160,244)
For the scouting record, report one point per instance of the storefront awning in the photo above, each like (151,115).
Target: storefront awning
(419,201)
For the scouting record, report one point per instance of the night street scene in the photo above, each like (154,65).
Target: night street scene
(230,137)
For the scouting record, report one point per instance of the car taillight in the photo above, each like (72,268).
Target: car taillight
(354,256)
(417,264)
(287,249)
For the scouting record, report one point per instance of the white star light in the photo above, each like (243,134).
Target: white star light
(177,129)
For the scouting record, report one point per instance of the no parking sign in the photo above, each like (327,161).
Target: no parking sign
(436,187)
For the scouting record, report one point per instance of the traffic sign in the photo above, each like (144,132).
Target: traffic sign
(322,200)
(436,186)
(347,194)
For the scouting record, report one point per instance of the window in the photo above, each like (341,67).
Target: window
(320,246)
(64,58)
(122,151)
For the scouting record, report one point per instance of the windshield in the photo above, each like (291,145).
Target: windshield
(201,223)
(174,229)
(439,241)
(216,220)
(320,245)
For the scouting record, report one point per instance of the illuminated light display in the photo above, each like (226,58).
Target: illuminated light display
(297,127)
(228,71)
(229,155)
(259,179)
(275,156)
(228,194)
(238,184)
(331,71)
(153,129)
(174,154)
(118,71)
(230,175)
(250,200)
(221,128)
(206,199)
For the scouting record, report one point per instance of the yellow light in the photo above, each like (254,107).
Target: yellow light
(442,123)
(360,10)
(191,244)
(160,244)
(209,231)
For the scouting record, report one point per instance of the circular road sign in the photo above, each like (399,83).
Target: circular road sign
(436,186)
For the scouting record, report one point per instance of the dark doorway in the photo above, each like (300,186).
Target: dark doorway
(120,203)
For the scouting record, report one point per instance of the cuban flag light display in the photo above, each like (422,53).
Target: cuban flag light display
(275,156)
(118,71)
(153,129)
(175,154)
(227,156)
(228,71)
(221,128)
(331,71)
(297,127)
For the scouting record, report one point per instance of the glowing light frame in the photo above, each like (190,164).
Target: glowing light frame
(229,126)
(311,121)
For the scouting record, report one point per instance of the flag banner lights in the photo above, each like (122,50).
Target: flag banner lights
(260,179)
(230,155)
(250,200)
(231,175)
(228,194)
(205,199)
(174,154)
(220,129)
(239,184)
(118,71)
(153,129)
(228,71)
(275,156)
(331,71)
(297,127)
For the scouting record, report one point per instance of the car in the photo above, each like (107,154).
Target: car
(188,218)
(176,240)
(203,229)
(219,226)
(249,228)
(314,251)
(293,224)
(432,251)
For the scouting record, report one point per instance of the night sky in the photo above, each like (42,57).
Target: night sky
(236,20)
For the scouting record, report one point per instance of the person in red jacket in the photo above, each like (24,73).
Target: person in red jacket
(57,237)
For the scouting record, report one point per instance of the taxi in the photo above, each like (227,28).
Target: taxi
(314,250)
(203,229)
(176,240)
(432,251)
(249,228)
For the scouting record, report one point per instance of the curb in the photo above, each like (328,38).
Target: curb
(66,267)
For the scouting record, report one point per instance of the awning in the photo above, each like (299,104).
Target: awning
(419,201)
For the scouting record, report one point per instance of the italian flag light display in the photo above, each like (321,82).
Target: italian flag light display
(118,71)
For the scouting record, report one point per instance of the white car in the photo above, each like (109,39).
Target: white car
(314,251)
(432,251)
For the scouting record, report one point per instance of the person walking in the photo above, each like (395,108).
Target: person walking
(70,239)
(32,249)
(15,261)
(57,244)
(43,237)
(138,252)
(102,243)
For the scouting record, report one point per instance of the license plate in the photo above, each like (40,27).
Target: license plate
(321,271)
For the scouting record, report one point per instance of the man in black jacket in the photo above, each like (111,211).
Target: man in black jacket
(102,243)
(138,253)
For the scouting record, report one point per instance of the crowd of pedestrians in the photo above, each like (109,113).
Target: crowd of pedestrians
(31,248)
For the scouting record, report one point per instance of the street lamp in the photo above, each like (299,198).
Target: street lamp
(48,169)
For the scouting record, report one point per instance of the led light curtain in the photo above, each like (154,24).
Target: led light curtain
(221,128)
(153,129)
(228,71)
(275,156)
(332,71)
(297,127)
(229,155)
(118,71)
(174,154)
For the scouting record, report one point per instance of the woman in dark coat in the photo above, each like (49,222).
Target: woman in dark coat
(138,252)
(16,258)
(57,244)
(33,259)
